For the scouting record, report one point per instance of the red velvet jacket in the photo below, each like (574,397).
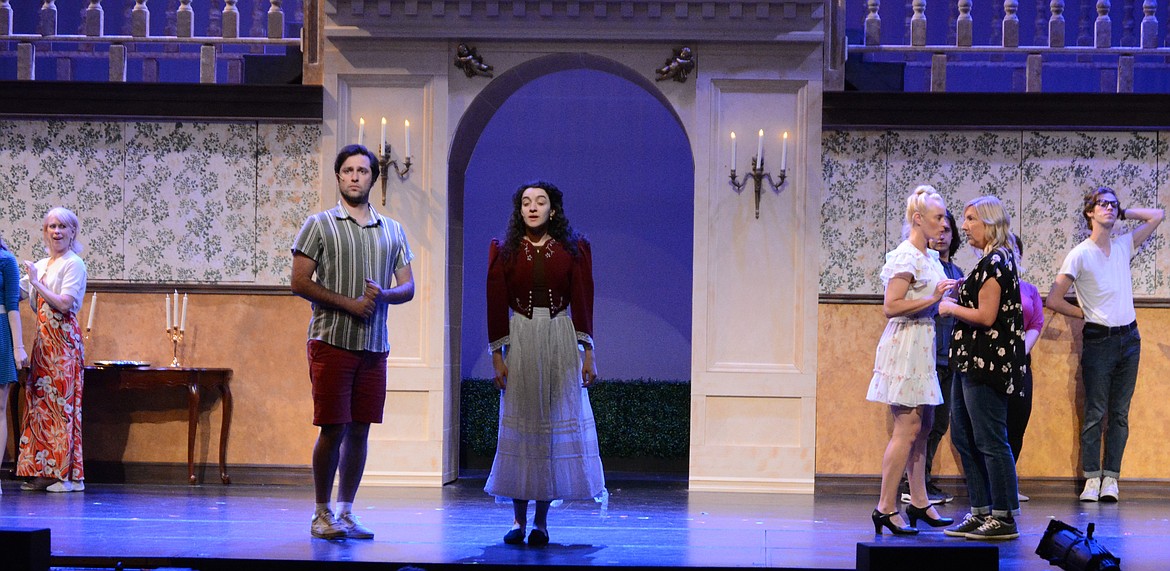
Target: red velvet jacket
(569,280)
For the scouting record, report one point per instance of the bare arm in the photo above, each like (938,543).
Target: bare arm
(895,303)
(1030,338)
(303,285)
(1150,217)
(982,316)
(403,290)
(1056,301)
(18,352)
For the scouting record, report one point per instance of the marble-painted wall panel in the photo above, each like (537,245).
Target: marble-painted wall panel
(164,201)
(1040,176)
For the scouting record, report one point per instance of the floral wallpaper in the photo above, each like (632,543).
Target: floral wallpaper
(164,201)
(1039,175)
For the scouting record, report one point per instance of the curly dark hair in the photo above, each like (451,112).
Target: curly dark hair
(558,224)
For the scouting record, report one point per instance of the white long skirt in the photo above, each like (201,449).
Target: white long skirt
(547,446)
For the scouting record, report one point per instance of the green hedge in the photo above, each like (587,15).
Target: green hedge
(643,418)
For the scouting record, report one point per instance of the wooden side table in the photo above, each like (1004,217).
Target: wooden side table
(194,379)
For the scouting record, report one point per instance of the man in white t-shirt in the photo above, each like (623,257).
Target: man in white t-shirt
(1112,346)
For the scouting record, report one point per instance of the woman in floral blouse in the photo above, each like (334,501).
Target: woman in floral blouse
(987,353)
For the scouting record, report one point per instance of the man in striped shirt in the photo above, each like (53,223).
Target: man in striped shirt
(352,263)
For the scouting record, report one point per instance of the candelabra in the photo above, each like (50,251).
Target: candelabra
(385,161)
(176,335)
(758,175)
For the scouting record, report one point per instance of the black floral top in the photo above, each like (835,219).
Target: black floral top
(992,355)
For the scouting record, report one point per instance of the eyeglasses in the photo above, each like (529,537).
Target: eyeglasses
(1107,203)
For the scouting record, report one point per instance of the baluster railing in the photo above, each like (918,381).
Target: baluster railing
(64,51)
(1022,48)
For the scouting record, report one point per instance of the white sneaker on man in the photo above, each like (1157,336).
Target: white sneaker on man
(1092,491)
(326,526)
(1109,489)
(353,527)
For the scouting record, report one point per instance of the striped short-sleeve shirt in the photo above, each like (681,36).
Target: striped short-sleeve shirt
(346,254)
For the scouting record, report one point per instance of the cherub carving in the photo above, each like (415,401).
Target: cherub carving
(678,66)
(468,60)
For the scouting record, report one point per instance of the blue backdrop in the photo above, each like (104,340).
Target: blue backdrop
(625,166)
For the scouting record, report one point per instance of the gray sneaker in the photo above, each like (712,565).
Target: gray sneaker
(995,529)
(970,523)
(326,527)
(353,527)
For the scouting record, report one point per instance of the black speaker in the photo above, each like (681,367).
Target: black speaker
(949,556)
(25,548)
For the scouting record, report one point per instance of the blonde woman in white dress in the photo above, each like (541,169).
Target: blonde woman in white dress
(904,376)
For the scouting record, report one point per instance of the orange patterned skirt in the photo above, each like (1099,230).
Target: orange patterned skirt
(50,444)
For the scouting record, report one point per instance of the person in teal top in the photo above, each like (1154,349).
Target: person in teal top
(12,353)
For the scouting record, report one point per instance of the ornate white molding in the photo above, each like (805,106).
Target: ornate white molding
(800,21)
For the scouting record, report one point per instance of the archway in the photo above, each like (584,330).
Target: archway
(610,139)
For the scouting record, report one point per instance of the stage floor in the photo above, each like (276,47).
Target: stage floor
(646,523)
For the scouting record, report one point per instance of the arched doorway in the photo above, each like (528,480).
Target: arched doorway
(610,139)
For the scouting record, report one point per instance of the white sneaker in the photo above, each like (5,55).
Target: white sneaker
(1109,489)
(326,527)
(1092,491)
(60,487)
(353,527)
(1022,497)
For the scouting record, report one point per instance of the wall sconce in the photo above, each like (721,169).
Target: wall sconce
(385,159)
(757,173)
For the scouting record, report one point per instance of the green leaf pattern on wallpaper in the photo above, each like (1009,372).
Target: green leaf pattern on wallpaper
(164,201)
(1040,176)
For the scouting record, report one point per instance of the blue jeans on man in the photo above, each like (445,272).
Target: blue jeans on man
(979,433)
(1109,368)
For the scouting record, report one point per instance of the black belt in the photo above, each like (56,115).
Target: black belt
(1095,331)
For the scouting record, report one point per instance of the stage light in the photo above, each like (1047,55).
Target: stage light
(1066,547)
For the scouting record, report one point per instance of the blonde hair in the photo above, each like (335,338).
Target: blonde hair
(990,211)
(70,219)
(916,204)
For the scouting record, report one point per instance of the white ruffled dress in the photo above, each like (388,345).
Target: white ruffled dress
(903,370)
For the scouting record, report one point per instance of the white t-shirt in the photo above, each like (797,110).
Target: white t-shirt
(66,276)
(1104,284)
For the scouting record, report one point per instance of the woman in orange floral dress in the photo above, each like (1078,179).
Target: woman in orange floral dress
(50,445)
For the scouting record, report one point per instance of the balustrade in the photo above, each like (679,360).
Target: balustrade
(1137,44)
(140,32)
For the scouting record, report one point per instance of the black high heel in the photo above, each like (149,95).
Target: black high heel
(881,520)
(916,513)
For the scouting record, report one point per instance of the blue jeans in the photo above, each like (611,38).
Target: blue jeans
(980,435)
(1109,367)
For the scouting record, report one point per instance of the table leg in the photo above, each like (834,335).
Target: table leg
(192,422)
(223,432)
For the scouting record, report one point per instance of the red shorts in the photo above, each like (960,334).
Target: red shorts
(348,386)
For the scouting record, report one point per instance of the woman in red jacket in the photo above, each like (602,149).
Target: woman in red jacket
(543,361)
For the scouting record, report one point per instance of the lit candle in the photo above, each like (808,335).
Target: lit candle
(382,144)
(361,130)
(183,322)
(167,303)
(175,315)
(407,137)
(92,305)
(733,150)
(760,151)
(784,153)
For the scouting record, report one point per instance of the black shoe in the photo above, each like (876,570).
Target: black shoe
(514,537)
(904,491)
(881,520)
(538,538)
(916,513)
(937,495)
